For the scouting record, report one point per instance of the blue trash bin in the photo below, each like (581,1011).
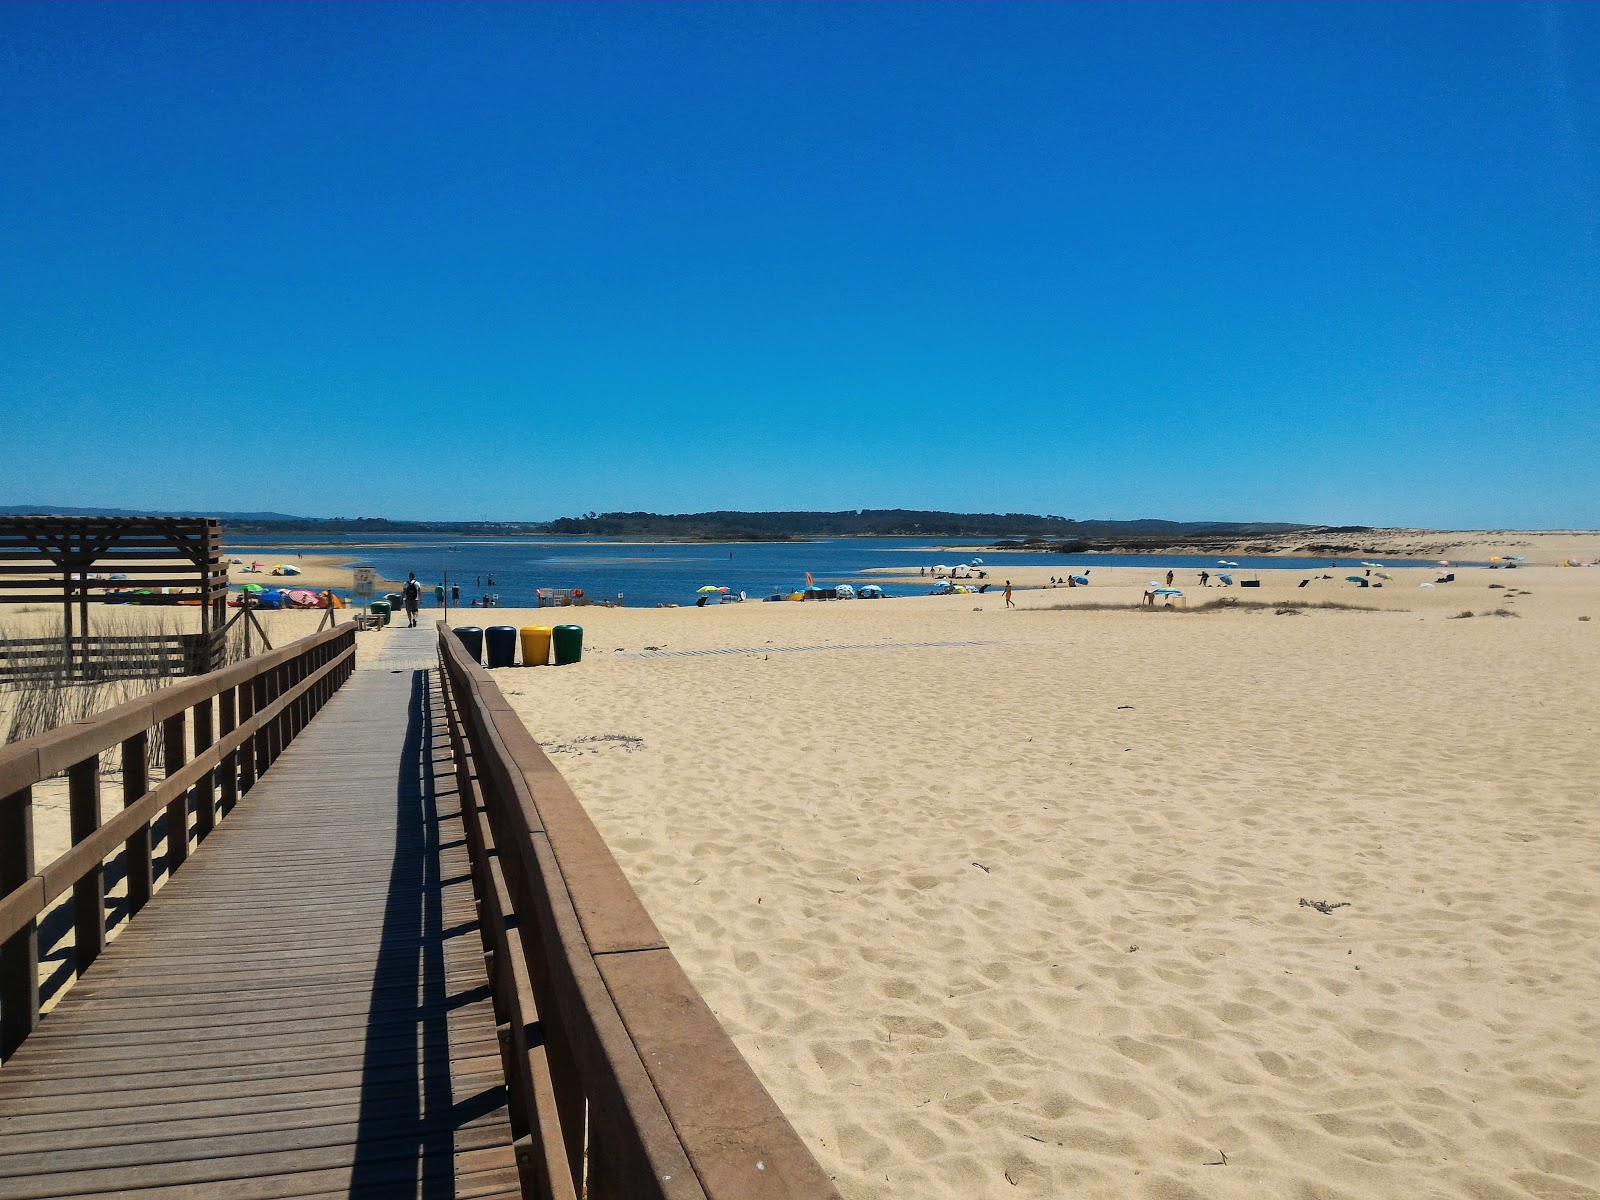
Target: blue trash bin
(501,643)
(472,638)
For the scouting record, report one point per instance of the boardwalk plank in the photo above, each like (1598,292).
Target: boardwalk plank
(300,1012)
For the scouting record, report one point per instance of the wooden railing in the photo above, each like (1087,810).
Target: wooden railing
(622,1084)
(261,704)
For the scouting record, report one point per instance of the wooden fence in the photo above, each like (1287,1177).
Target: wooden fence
(261,704)
(76,561)
(99,659)
(622,1084)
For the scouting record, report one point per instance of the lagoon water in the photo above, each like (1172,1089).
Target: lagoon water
(650,573)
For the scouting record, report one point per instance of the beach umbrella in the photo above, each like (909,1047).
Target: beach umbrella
(711,587)
(977,562)
(251,587)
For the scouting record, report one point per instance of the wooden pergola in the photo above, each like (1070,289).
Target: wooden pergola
(71,561)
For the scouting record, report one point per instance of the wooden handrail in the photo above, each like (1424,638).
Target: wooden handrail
(264,702)
(623,1084)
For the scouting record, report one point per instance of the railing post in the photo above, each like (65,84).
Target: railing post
(89,893)
(229,767)
(302,706)
(135,783)
(263,738)
(19,954)
(205,795)
(275,734)
(173,750)
(248,751)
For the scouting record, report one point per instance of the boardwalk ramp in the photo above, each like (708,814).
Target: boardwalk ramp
(301,1012)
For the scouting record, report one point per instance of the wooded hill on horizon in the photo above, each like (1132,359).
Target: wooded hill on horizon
(721,525)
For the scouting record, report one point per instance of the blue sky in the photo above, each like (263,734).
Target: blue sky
(1325,263)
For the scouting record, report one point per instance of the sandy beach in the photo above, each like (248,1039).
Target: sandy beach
(1120,903)
(316,570)
(1087,899)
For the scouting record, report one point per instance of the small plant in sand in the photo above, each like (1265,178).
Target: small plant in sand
(1460,616)
(1504,612)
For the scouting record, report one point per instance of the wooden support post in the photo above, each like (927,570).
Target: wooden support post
(173,750)
(263,739)
(230,762)
(247,752)
(19,954)
(135,783)
(67,656)
(89,893)
(274,679)
(83,618)
(205,795)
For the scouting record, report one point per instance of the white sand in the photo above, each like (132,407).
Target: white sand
(1023,919)
(1020,915)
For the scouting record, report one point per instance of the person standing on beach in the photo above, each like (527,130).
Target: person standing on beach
(1205,578)
(411,594)
(1169,578)
(1009,604)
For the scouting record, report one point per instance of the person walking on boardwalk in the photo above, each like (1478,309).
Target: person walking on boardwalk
(1009,604)
(412,595)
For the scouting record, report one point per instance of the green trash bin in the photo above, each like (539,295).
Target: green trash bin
(568,640)
(381,608)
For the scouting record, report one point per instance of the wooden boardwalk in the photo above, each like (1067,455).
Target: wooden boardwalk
(303,1010)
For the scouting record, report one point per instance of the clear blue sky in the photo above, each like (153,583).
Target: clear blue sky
(1333,263)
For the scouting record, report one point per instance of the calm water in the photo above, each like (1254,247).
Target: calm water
(656,573)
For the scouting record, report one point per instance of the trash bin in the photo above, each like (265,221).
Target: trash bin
(380,609)
(472,638)
(501,643)
(568,641)
(535,645)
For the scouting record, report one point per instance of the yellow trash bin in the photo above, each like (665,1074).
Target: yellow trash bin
(535,645)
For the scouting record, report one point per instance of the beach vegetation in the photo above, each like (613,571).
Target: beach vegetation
(1221,604)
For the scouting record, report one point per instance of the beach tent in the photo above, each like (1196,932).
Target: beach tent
(1358,580)
(845,592)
